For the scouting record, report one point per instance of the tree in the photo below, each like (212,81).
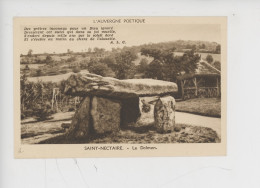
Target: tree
(100,69)
(48,59)
(209,58)
(76,69)
(142,67)
(124,67)
(217,65)
(218,49)
(202,46)
(38,72)
(30,53)
(99,50)
(154,70)
(89,50)
(194,47)
(69,51)
(109,61)
(26,67)
(166,66)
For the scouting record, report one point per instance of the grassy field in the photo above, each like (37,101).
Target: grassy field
(141,132)
(145,135)
(33,131)
(216,57)
(55,78)
(201,106)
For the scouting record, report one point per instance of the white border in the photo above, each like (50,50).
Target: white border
(240,168)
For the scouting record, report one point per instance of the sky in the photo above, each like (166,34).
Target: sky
(133,34)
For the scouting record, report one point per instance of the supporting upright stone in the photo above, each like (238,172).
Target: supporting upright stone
(80,125)
(105,115)
(164,114)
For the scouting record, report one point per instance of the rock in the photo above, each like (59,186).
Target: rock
(80,125)
(94,85)
(146,107)
(105,115)
(164,114)
(177,128)
(65,126)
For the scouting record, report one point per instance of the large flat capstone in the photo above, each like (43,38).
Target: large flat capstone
(94,85)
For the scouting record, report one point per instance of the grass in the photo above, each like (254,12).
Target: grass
(145,135)
(216,57)
(201,106)
(33,131)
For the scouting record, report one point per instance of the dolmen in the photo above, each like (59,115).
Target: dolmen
(110,104)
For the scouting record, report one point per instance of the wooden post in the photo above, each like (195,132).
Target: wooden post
(217,87)
(182,89)
(195,84)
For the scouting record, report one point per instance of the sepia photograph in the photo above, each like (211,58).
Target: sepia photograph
(103,81)
(129,94)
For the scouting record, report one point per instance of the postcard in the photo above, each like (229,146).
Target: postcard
(119,86)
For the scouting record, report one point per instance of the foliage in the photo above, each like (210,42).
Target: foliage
(30,53)
(154,70)
(39,72)
(84,64)
(209,58)
(100,69)
(71,59)
(99,50)
(142,66)
(48,59)
(76,69)
(42,111)
(218,49)
(166,66)
(217,65)
(124,66)
(109,61)
(34,94)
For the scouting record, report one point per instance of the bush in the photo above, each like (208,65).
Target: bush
(71,109)
(63,71)
(100,69)
(26,113)
(76,69)
(42,111)
(71,59)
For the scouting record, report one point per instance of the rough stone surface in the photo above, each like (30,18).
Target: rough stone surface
(164,114)
(105,115)
(94,85)
(80,125)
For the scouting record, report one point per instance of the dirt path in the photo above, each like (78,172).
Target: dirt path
(33,132)
(197,120)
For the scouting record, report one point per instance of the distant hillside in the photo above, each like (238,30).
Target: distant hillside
(181,46)
(37,65)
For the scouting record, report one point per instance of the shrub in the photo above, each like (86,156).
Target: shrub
(100,69)
(42,111)
(71,59)
(26,113)
(76,69)
(63,71)
(71,109)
